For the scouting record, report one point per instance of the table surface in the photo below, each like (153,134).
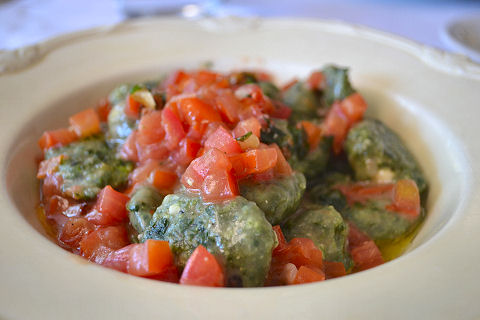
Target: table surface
(23,22)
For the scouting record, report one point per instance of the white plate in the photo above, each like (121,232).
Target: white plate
(431,98)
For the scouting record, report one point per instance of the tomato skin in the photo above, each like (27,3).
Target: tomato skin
(85,123)
(51,185)
(282,167)
(202,269)
(109,208)
(334,269)
(98,244)
(220,185)
(129,149)
(119,259)
(314,133)
(103,109)
(56,138)
(150,258)
(188,151)
(49,166)
(173,128)
(353,107)
(222,140)
(362,192)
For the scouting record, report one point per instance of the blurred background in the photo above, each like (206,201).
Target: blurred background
(452,25)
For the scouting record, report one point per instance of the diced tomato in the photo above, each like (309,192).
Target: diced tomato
(49,166)
(169,275)
(73,231)
(119,258)
(109,208)
(248,125)
(150,258)
(353,107)
(362,192)
(52,185)
(222,140)
(366,256)
(254,161)
(206,77)
(132,107)
(98,244)
(218,186)
(163,179)
(85,123)
(307,275)
(252,95)
(406,198)
(314,133)
(174,132)
(202,269)
(142,172)
(228,106)
(364,251)
(56,138)
(303,252)
(355,236)
(129,148)
(149,129)
(103,109)
(154,151)
(199,168)
(334,269)
(282,167)
(281,111)
(316,81)
(188,151)
(336,124)
(55,205)
(197,113)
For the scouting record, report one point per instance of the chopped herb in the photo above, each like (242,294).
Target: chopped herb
(244,137)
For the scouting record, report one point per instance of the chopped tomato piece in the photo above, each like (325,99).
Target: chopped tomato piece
(98,244)
(282,242)
(353,107)
(307,275)
(218,186)
(314,133)
(149,129)
(281,111)
(406,198)
(174,132)
(228,106)
(303,252)
(362,192)
(56,138)
(334,269)
(150,258)
(129,149)
(154,151)
(248,125)
(188,150)
(316,81)
(73,231)
(109,208)
(142,172)
(198,113)
(85,123)
(49,166)
(222,140)
(163,179)
(119,258)
(254,161)
(202,269)
(336,125)
(103,109)
(364,251)
(52,185)
(282,167)
(366,256)
(132,107)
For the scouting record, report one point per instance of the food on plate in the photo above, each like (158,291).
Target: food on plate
(229,179)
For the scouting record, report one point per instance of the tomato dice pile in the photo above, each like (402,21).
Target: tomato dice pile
(202,131)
